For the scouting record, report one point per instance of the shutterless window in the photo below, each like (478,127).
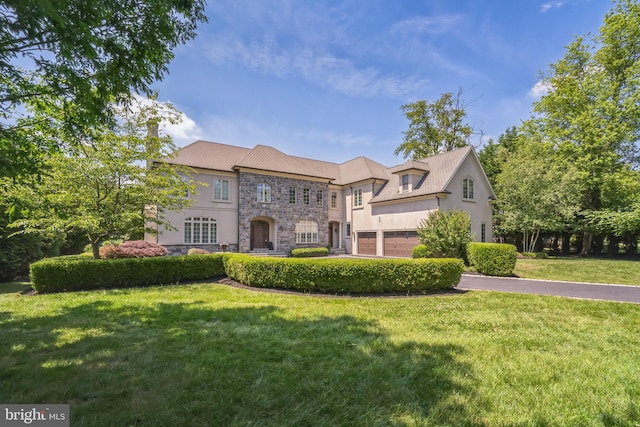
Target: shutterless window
(467,188)
(348,229)
(319,198)
(483,232)
(334,199)
(306,232)
(306,196)
(405,183)
(220,189)
(200,230)
(264,193)
(292,196)
(357,197)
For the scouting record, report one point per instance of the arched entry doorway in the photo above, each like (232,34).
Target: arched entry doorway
(260,235)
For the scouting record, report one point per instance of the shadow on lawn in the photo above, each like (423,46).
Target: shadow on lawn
(182,364)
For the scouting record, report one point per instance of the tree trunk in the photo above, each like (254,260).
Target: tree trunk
(95,247)
(566,243)
(587,238)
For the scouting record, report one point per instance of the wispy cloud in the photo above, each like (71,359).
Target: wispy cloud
(550,5)
(539,90)
(322,68)
(426,25)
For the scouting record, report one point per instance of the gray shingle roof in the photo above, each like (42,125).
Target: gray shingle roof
(228,158)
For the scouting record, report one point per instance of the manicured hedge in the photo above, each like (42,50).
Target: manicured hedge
(339,275)
(493,259)
(420,251)
(309,252)
(73,274)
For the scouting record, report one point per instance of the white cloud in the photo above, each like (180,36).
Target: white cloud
(539,90)
(550,5)
(425,25)
(322,68)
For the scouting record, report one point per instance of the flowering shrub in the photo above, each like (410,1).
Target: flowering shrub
(133,249)
(197,251)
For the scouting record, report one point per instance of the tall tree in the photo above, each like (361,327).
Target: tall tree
(536,192)
(592,110)
(435,127)
(103,187)
(493,155)
(85,52)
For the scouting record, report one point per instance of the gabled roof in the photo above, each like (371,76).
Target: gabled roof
(438,170)
(442,168)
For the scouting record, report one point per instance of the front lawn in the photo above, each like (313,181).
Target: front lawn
(592,270)
(210,354)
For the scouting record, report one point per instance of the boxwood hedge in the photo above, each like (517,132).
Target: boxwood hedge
(73,273)
(309,252)
(340,275)
(493,259)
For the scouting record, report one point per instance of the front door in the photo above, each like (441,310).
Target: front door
(259,234)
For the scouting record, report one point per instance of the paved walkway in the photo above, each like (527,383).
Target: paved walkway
(621,293)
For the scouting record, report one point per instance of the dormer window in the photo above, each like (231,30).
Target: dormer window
(404,181)
(467,189)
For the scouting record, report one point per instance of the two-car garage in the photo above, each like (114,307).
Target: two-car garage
(395,243)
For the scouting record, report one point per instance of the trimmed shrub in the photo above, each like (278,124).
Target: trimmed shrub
(108,252)
(339,275)
(492,259)
(538,255)
(197,251)
(139,249)
(75,273)
(309,252)
(420,251)
(446,233)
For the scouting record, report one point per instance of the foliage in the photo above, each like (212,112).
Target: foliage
(446,233)
(137,249)
(87,52)
(492,259)
(309,252)
(197,251)
(435,127)
(81,273)
(345,275)
(420,251)
(493,155)
(591,112)
(536,191)
(105,187)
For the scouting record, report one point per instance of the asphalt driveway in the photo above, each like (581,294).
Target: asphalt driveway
(620,293)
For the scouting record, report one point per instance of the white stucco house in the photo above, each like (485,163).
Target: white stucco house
(260,199)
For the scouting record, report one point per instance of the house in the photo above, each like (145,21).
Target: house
(260,199)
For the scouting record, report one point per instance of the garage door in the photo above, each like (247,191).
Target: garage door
(400,243)
(367,243)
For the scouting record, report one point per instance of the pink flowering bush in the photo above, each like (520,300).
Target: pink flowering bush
(133,249)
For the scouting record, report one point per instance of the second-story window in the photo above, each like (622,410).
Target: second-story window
(334,199)
(264,193)
(319,198)
(306,196)
(357,197)
(220,189)
(293,197)
(405,183)
(467,189)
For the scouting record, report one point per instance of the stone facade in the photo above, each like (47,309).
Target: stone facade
(183,249)
(281,215)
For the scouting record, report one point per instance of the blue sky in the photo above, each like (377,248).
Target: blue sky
(326,79)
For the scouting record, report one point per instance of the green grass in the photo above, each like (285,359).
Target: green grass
(592,270)
(208,354)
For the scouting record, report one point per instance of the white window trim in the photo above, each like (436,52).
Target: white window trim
(194,231)
(306,231)
(264,192)
(465,183)
(222,182)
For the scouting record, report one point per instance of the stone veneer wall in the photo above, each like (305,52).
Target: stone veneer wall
(214,247)
(284,214)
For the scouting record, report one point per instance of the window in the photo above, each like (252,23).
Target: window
(306,196)
(264,193)
(220,189)
(334,199)
(307,232)
(483,232)
(293,197)
(200,230)
(467,189)
(348,229)
(319,198)
(405,183)
(357,197)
